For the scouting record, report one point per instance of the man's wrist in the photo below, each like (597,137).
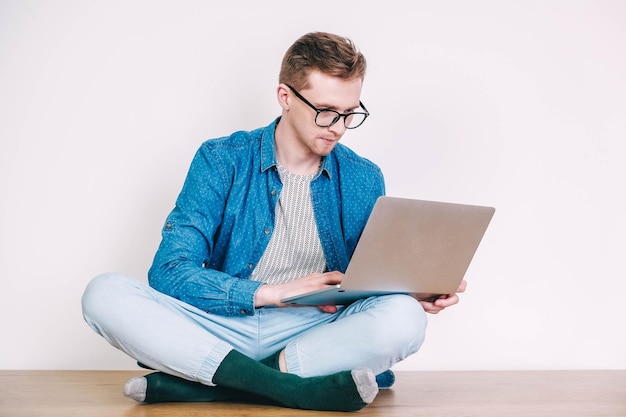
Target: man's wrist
(265,296)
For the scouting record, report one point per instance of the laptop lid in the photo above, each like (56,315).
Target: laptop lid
(409,246)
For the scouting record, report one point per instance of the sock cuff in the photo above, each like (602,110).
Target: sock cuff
(211,363)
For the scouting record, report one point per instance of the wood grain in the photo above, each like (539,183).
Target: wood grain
(415,394)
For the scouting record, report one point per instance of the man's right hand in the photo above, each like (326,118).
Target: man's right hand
(272,294)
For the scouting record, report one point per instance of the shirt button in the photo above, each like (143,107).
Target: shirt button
(250,266)
(273,192)
(266,231)
(243,312)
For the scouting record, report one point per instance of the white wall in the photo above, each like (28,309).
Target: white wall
(519,105)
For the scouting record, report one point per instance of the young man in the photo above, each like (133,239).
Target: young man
(264,215)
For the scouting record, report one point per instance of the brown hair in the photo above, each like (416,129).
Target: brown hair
(331,54)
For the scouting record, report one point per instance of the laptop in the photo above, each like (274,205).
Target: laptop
(408,246)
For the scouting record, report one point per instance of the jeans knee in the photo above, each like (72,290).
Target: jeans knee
(101,295)
(407,320)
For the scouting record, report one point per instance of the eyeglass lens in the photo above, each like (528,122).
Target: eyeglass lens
(327,118)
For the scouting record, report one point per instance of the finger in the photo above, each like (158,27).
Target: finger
(462,286)
(433,310)
(328,309)
(447,302)
(334,277)
(430,308)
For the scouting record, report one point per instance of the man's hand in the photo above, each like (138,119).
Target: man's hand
(444,301)
(271,294)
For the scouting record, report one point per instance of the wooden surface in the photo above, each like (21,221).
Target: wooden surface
(433,394)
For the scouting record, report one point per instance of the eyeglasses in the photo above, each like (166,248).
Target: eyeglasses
(328,117)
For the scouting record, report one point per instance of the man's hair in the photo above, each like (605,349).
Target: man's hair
(331,54)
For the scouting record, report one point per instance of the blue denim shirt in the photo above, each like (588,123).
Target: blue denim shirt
(224,218)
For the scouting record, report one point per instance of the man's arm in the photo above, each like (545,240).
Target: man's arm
(181,266)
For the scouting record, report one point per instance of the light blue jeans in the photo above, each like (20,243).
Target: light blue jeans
(174,337)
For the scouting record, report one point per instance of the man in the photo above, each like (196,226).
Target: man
(264,215)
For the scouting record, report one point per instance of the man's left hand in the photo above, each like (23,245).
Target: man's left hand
(444,301)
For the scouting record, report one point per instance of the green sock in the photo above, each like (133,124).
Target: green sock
(272,361)
(343,391)
(162,387)
(159,387)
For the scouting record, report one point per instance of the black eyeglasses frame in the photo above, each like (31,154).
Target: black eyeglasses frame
(365,113)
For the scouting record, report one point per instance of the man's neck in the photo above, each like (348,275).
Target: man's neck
(294,157)
(299,166)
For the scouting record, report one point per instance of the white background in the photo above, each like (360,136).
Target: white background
(519,105)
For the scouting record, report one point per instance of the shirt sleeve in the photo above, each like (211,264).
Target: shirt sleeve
(180,267)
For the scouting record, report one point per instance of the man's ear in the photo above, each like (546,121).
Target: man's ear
(282,94)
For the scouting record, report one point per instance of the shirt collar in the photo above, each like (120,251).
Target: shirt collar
(268,155)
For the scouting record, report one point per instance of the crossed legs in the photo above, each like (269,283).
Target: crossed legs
(324,353)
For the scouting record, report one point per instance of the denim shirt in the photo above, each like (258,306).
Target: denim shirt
(224,218)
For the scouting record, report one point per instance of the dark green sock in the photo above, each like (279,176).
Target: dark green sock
(343,391)
(162,388)
(272,361)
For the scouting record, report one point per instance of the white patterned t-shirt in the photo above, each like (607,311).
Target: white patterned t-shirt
(294,249)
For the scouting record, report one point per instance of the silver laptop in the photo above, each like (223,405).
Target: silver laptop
(411,247)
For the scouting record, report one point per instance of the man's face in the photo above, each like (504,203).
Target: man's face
(323,92)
